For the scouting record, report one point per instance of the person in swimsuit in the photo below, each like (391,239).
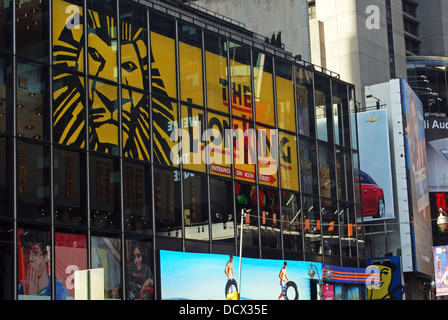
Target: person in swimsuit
(283,280)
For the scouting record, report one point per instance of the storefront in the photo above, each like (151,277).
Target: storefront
(129,129)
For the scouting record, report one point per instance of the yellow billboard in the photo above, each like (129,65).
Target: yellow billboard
(289,173)
(219,144)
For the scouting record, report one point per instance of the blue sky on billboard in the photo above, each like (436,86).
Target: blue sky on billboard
(374,153)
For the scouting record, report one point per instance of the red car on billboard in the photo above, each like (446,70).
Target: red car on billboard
(372,196)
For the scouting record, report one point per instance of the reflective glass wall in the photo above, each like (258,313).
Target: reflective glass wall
(127,129)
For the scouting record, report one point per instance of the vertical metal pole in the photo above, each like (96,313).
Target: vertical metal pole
(241,252)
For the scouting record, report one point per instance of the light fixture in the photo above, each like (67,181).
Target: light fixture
(442,220)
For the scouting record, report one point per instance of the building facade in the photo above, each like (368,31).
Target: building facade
(129,128)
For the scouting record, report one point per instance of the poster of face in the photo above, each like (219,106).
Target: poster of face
(388,284)
(33,255)
(139,275)
(215,277)
(441,270)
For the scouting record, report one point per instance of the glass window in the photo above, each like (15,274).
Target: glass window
(164,124)
(32,101)
(4,184)
(305,102)
(190,65)
(246,198)
(168,212)
(105,193)
(33,182)
(244,148)
(327,176)
(33,256)
(69,118)
(163,61)
(32,23)
(221,207)
(216,73)
(267,151)
(308,166)
(106,254)
(218,148)
(289,171)
(270,220)
(240,78)
(330,227)
(342,173)
(6,93)
(69,187)
(71,256)
(139,270)
(292,221)
(340,114)
(323,108)
(102,39)
(356,178)
(284,85)
(312,225)
(196,206)
(348,230)
(353,120)
(7,261)
(192,124)
(68,34)
(136,124)
(103,117)
(137,198)
(263,89)
(134,46)
(6,25)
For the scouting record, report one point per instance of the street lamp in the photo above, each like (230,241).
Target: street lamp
(378,101)
(244,212)
(442,220)
(328,274)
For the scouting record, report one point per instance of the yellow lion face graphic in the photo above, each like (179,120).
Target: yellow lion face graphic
(104,107)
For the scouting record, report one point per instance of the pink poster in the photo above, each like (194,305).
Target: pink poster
(328,292)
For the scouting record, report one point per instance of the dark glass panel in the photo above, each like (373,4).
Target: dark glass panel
(196,206)
(33,114)
(104,193)
(33,182)
(221,206)
(32,22)
(137,198)
(69,188)
(168,212)
(292,222)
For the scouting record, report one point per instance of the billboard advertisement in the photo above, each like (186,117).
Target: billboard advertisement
(177,111)
(436,132)
(417,177)
(34,260)
(194,276)
(441,270)
(376,172)
(390,284)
